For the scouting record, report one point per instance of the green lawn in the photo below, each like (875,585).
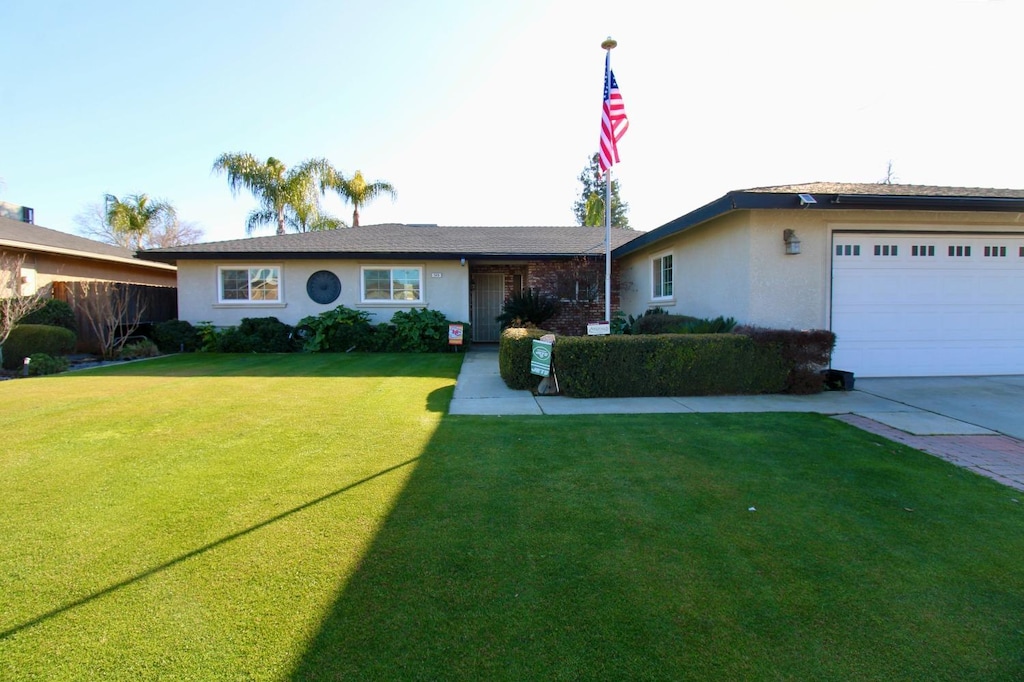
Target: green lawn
(308,517)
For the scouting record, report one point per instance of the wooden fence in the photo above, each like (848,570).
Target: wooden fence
(158,304)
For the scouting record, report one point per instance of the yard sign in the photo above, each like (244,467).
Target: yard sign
(540,358)
(455,335)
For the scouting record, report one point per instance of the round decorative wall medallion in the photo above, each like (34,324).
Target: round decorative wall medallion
(323,286)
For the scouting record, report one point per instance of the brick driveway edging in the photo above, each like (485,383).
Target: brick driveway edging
(998,457)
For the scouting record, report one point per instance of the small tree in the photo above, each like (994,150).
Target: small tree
(166,229)
(113,312)
(589,205)
(14,306)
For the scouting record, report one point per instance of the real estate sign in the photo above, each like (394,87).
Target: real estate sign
(540,358)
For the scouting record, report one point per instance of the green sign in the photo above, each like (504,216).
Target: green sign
(540,358)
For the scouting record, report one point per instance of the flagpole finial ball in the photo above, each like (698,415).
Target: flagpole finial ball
(608,44)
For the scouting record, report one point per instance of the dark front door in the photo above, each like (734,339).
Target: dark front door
(488,297)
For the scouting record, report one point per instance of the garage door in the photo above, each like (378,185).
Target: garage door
(928,304)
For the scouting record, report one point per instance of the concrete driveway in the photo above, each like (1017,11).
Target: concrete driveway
(991,403)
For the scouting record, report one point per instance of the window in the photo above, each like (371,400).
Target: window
(393,284)
(661,276)
(252,284)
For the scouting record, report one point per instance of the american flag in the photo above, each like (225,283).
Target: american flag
(613,119)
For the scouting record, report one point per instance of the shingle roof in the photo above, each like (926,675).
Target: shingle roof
(416,241)
(889,190)
(16,231)
(838,196)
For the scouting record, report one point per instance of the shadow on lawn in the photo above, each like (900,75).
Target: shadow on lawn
(196,552)
(493,565)
(327,365)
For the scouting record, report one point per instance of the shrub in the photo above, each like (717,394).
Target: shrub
(664,323)
(667,365)
(527,307)
(139,349)
(806,353)
(41,364)
(27,339)
(173,336)
(55,313)
(661,323)
(514,351)
(421,331)
(336,331)
(621,324)
(256,335)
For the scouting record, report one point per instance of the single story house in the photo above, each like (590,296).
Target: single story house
(464,272)
(913,280)
(53,256)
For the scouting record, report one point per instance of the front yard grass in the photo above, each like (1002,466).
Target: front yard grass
(320,517)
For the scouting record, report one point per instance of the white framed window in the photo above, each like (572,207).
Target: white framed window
(661,276)
(380,283)
(249,284)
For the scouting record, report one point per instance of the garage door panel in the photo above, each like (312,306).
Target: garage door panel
(906,315)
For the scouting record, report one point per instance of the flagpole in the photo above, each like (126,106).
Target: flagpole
(607,45)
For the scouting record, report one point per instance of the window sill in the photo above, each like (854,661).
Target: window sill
(392,304)
(250,304)
(661,301)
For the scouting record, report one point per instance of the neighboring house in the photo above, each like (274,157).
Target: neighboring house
(913,280)
(464,272)
(52,256)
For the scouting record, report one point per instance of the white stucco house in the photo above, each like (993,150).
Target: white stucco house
(914,280)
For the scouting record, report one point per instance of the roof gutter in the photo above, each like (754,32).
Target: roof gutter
(87,255)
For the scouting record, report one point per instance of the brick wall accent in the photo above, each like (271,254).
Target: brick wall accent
(557,277)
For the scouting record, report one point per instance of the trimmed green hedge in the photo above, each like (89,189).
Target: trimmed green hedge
(514,357)
(27,339)
(667,365)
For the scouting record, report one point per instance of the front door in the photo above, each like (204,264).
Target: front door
(488,298)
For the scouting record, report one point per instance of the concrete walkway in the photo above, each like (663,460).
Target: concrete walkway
(975,422)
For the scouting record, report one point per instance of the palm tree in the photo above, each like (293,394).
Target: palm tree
(281,191)
(132,219)
(308,218)
(357,191)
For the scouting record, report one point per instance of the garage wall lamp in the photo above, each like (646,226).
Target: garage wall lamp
(792,243)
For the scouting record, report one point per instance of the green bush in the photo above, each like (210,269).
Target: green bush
(621,324)
(27,339)
(336,331)
(55,313)
(664,323)
(139,349)
(806,354)
(528,307)
(255,335)
(174,336)
(667,365)
(41,364)
(421,331)
(514,351)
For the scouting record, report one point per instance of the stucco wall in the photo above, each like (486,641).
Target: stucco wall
(736,265)
(197,291)
(711,273)
(41,269)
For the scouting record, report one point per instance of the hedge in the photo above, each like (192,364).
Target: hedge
(806,353)
(27,339)
(667,365)
(514,357)
(752,362)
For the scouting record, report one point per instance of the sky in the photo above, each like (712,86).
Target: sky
(485,113)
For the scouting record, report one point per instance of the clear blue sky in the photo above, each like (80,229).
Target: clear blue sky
(484,113)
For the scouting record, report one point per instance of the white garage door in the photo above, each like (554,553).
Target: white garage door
(928,304)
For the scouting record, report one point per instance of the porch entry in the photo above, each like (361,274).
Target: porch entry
(488,298)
